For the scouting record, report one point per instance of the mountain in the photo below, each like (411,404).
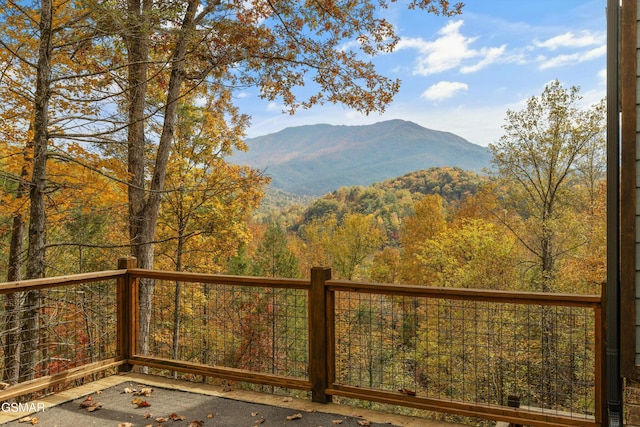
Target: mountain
(316,159)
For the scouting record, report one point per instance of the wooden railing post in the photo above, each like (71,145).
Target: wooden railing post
(127,312)
(320,347)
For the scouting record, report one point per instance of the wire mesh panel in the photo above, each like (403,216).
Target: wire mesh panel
(488,353)
(49,331)
(258,329)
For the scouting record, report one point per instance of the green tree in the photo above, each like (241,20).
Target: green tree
(273,257)
(539,154)
(355,239)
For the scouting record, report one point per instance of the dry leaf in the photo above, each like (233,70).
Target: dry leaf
(147,415)
(259,421)
(196,423)
(88,401)
(99,392)
(130,390)
(161,420)
(90,404)
(145,391)
(140,403)
(34,421)
(176,417)
(125,425)
(364,422)
(287,399)
(336,422)
(210,415)
(294,417)
(25,420)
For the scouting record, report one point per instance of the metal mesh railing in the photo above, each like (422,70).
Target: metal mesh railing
(253,328)
(49,331)
(542,357)
(470,353)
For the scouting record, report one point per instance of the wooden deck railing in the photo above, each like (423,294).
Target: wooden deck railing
(457,351)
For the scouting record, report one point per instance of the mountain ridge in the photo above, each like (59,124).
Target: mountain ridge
(316,159)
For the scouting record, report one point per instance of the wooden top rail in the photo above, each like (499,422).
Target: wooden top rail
(220,279)
(50,282)
(513,297)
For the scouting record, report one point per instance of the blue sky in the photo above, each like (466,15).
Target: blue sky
(461,74)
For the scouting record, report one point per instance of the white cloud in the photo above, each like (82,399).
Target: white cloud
(449,51)
(491,56)
(572,59)
(571,40)
(443,90)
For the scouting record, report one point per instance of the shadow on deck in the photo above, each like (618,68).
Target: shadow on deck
(199,404)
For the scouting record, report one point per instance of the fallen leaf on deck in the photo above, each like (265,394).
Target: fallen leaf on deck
(130,390)
(140,403)
(254,414)
(89,404)
(287,399)
(196,423)
(88,401)
(210,415)
(147,415)
(145,391)
(176,417)
(294,417)
(336,422)
(259,421)
(161,420)
(125,425)
(364,422)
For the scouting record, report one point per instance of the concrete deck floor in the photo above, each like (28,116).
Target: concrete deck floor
(199,404)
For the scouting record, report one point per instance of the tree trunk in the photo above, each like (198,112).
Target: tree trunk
(13,301)
(137,41)
(35,253)
(143,210)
